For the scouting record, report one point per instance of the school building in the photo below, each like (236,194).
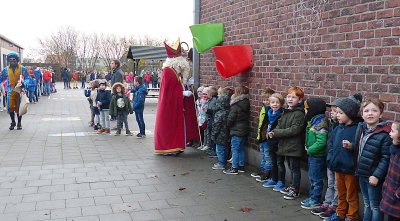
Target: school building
(7,46)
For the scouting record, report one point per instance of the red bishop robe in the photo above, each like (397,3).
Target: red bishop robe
(176,121)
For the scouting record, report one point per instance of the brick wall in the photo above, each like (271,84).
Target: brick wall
(330,48)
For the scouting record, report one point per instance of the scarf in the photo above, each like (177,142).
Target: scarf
(272,117)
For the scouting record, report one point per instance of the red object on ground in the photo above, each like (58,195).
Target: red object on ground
(231,60)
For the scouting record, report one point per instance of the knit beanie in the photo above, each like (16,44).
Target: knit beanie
(350,105)
(314,106)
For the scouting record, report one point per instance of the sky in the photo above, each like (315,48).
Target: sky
(30,20)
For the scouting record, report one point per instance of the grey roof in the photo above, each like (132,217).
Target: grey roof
(8,40)
(147,52)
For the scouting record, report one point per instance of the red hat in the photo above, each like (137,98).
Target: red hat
(175,50)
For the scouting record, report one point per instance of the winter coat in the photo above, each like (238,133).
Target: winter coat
(140,97)
(317,136)
(262,124)
(211,108)
(339,158)
(239,115)
(220,131)
(75,76)
(104,97)
(290,132)
(117,76)
(114,109)
(38,76)
(31,85)
(390,204)
(64,75)
(372,159)
(47,75)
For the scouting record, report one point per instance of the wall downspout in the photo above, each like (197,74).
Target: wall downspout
(196,55)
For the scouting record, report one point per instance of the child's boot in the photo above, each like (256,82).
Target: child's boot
(128,132)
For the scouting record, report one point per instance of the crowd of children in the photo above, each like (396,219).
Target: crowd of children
(352,147)
(108,102)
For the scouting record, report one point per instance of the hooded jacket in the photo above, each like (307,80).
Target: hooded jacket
(290,132)
(220,132)
(114,110)
(140,97)
(316,127)
(339,158)
(372,150)
(239,115)
(104,96)
(262,124)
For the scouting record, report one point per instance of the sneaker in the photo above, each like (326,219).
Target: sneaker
(218,166)
(293,194)
(139,135)
(118,132)
(269,183)
(231,171)
(256,174)
(128,132)
(334,217)
(212,155)
(279,186)
(264,177)
(230,160)
(328,213)
(241,169)
(303,202)
(319,210)
(200,147)
(286,190)
(205,148)
(311,204)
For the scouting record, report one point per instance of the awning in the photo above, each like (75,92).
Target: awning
(147,53)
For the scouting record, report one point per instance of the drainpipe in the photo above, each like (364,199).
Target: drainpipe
(196,56)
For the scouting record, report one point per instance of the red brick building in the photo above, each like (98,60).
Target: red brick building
(330,48)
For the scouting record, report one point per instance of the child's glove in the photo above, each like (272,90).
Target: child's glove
(187,93)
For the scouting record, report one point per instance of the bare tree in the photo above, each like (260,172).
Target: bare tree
(61,47)
(88,51)
(112,47)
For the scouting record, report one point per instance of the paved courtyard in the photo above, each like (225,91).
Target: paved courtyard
(57,168)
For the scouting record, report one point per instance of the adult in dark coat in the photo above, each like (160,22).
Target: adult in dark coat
(117,74)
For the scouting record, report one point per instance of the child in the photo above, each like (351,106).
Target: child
(238,122)
(372,147)
(276,101)
(120,107)
(103,99)
(316,139)
(329,205)
(390,203)
(220,131)
(95,110)
(290,134)
(265,165)
(31,85)
(202,117)
(212,95)
(341,158)
(140,91)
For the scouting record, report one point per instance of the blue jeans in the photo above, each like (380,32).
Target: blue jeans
(372,196)
(47,83)
(237,144)
(31,96)
(140,121)
(222,154)
(265,157)
(122,118)
(331,195)
(316,174)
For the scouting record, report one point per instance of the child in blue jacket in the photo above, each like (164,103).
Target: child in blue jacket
(140,91)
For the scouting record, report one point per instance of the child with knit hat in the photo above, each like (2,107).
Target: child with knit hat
(341,158)
(316,139)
